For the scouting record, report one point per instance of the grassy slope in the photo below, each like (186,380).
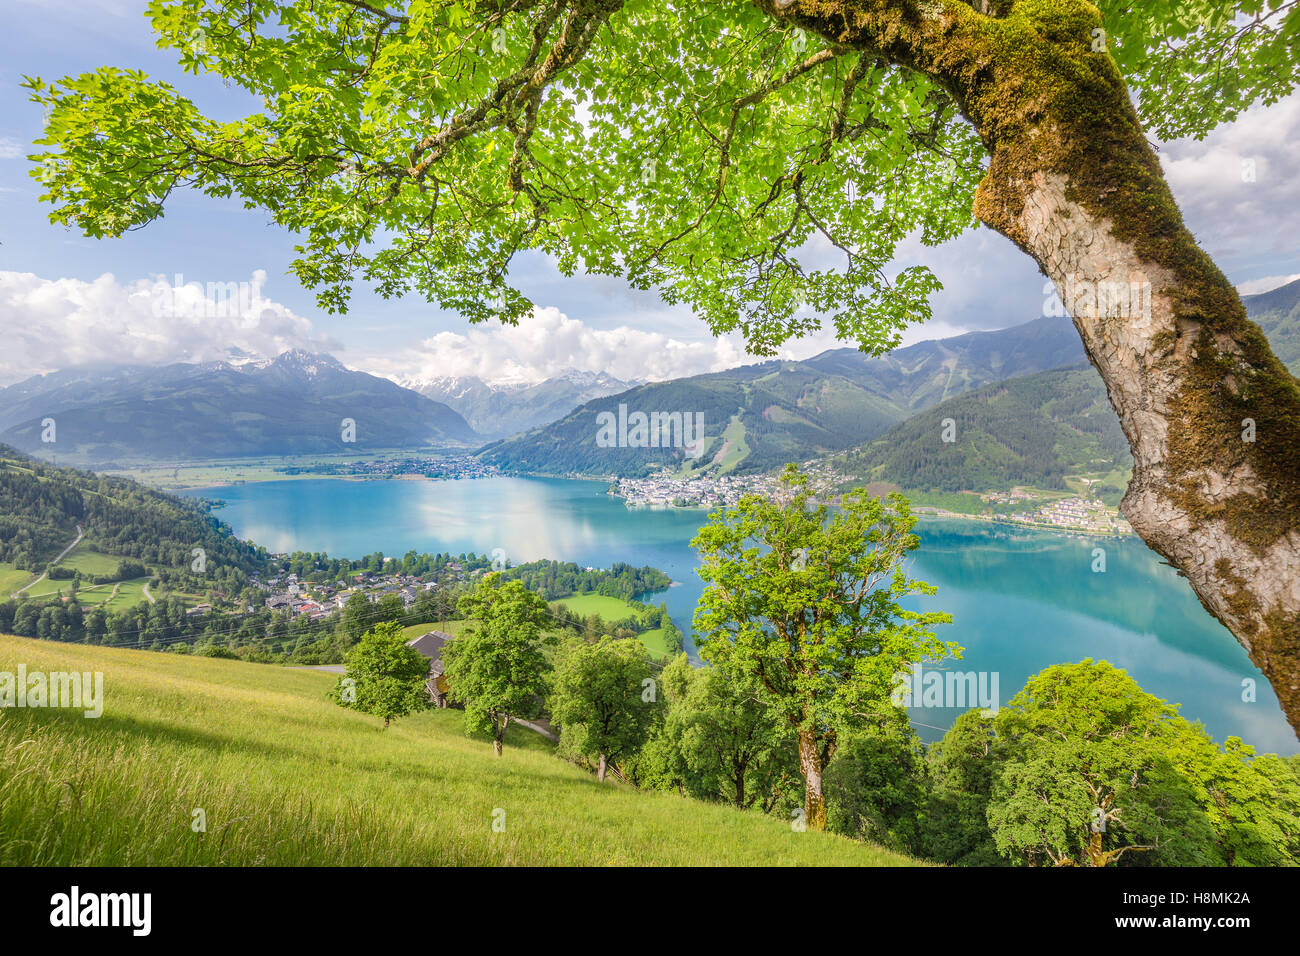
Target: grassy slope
(287,777)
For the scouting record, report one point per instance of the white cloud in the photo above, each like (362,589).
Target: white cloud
(1266,284)
(1239,188)
(11,148)
(50,324)
(549,343)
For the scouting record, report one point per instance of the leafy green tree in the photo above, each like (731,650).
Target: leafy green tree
(732,744)
(805,602)
(877,787)
(358,616)
(1088,774)
(601,699)
(385,676)
(422,145)
(961,767)
(498,668)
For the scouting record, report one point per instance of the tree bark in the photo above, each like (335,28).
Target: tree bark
(810,764)
(1211,415)
(499,735)
(601,767)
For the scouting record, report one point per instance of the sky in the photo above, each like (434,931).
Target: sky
(68,300)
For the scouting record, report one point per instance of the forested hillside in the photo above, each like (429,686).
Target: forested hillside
(1033,431)
(759,417)
(41,507)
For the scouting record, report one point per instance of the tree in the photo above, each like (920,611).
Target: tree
(1088,773)
(961,768)
(731,743)
(422,147)
(385,677)
(600,699)
(806,604)
(497,668)
(877,786)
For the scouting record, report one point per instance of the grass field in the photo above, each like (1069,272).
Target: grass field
(11,579)
(286,777)
(611,609)
(454,628)
(656,642)
(90,562)
(112,597)
(608,608)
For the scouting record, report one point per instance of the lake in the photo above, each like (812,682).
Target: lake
(1021,600)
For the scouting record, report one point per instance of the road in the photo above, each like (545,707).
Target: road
(62,554)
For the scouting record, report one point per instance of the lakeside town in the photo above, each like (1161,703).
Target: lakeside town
(1076,515)
(668,490)
(451,467)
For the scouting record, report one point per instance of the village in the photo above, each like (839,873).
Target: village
(424,466)
(668,490)
(296,597)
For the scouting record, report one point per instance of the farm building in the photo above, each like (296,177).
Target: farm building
(430,645)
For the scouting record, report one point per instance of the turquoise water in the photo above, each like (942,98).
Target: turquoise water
(1021,600)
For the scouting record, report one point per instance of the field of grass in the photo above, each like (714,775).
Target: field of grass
(611,609)
(608,608)
(11,579)
(454,628)
(90,562)
(656,642)
(129,594)
(286,777)
(112,597)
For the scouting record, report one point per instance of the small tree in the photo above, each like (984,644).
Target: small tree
(497,668)
(600,699)
(385,677)
(807,604)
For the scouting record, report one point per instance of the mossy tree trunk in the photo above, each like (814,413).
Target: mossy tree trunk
(811,764)
(1211,415)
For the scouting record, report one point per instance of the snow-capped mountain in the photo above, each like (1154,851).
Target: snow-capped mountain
(496,410)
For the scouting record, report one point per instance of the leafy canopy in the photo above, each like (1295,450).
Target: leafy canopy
(498,668)
(761,174)
(385,677)
(806,602)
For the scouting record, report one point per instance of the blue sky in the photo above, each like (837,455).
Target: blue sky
(65,299)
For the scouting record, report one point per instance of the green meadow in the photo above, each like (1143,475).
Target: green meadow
(283,776)
(11,579)
(610,609)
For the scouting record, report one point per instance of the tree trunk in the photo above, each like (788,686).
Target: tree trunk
(601,767)
(386,722)
(810,764)
(1211,415)
(499,735)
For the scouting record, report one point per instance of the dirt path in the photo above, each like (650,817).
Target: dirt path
(62,554)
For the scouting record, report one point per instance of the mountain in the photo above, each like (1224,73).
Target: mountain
(1033,430)
(1277,312)
(293,404)
(760,416)
(496,411)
